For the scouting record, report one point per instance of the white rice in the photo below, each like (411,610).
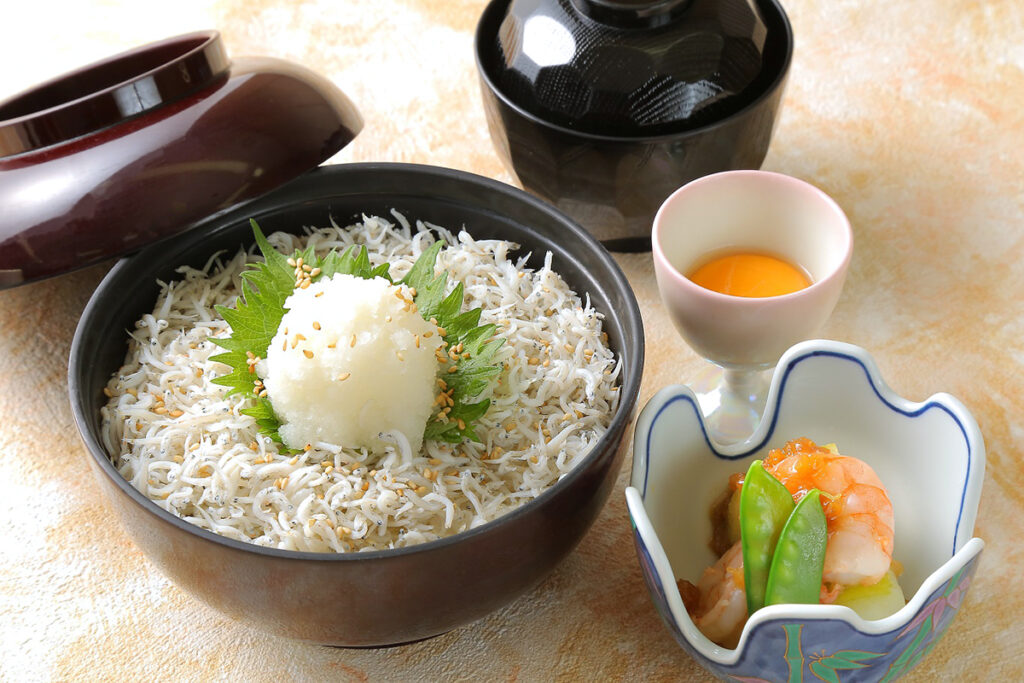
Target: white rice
(178,440)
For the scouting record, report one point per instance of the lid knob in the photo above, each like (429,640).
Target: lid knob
(631,13)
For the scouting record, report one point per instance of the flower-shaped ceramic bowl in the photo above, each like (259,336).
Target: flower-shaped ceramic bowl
(930,456)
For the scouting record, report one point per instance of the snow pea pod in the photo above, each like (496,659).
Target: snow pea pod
(765,505)
(795,575)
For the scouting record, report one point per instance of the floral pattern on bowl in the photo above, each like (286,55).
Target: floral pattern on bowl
(931,457)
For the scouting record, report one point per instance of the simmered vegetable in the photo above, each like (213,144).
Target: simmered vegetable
(765,505)
(795,575)
(876,601)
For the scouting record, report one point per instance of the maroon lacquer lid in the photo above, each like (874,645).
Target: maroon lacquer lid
(146,144)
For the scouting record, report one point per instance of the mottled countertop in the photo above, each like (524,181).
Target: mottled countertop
(910,114)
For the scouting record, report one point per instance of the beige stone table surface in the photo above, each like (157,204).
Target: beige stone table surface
(910,113)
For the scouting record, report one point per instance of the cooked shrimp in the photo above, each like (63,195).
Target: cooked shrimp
(857,509)
(718,604)
(859,519)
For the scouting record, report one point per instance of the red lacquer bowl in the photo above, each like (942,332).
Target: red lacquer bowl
(143,145)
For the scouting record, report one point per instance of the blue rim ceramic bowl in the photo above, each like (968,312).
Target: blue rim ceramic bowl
(930,456)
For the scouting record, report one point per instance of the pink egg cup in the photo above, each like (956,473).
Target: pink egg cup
(744,337)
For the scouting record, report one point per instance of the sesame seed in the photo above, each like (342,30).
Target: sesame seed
(308,447)
(421,490)
(316,325)
(352,343)
(435,461)
(412,290)
(441,331)
(533,459)
(177,413)
(387,318)
(315,272)
(320,293)
(160,410)
(344,376)
(298,262)
(569,348)
(452,369)
(304,285)
(399,355)
(547,362)
(366,485)
(428,335)
(417,341)
(462,425)
(290,262)
(533,361)
(441,383)
(107,392)
(307,353)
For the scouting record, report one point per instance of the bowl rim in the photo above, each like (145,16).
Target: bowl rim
(628,392)
(200,61)
(969,500)
(776,84)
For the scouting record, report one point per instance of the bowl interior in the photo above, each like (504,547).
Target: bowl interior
(929,456)
(452,199)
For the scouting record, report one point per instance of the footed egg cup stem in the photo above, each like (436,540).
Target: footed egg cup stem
(732,401)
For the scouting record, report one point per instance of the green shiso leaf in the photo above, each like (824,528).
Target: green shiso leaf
(472,374)
(259,309)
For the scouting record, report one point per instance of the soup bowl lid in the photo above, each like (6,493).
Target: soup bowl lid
(148,143)
(633,68)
